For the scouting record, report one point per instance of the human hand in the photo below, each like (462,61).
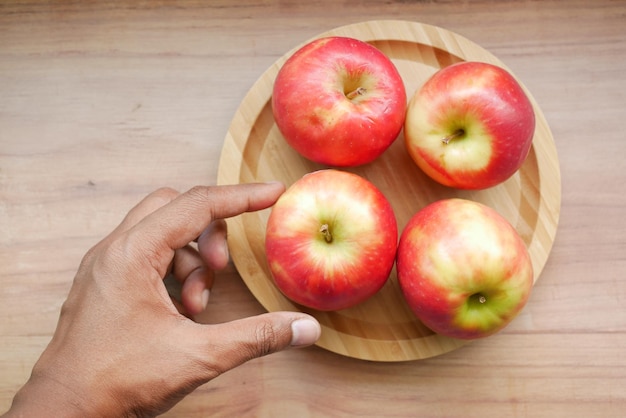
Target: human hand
(121,347)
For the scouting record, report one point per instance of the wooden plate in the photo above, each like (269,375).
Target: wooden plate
(382,328)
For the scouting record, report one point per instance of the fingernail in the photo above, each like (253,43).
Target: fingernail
(205,298)
(304,332)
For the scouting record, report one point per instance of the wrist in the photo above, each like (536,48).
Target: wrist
(44,397)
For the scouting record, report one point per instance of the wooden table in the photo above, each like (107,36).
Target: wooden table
(101,103)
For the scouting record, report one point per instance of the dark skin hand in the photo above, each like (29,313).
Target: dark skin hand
(122,347)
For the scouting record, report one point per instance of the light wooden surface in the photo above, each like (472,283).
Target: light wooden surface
(102,102)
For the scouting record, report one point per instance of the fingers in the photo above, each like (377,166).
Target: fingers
(146,206)
(186,217)
(212,245)
(197,280)
(164,222)
(233,343)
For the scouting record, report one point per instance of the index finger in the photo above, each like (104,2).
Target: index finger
(183,219)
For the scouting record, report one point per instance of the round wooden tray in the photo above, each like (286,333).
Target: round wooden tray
(382,328)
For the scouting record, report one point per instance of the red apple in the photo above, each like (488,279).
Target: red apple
(339,101)
(470,126)
(331,240)
(463,269)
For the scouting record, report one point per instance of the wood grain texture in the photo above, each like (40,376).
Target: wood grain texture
(102,102)
(383,328)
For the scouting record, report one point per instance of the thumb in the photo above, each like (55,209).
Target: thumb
(235,342)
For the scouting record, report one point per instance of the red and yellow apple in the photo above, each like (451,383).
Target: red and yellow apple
(469,126)
(339,101)
(331,240)
(463,269)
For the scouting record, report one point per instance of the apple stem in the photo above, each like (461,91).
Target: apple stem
(454,135)
(358,92)
(324,229)
(482,299)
